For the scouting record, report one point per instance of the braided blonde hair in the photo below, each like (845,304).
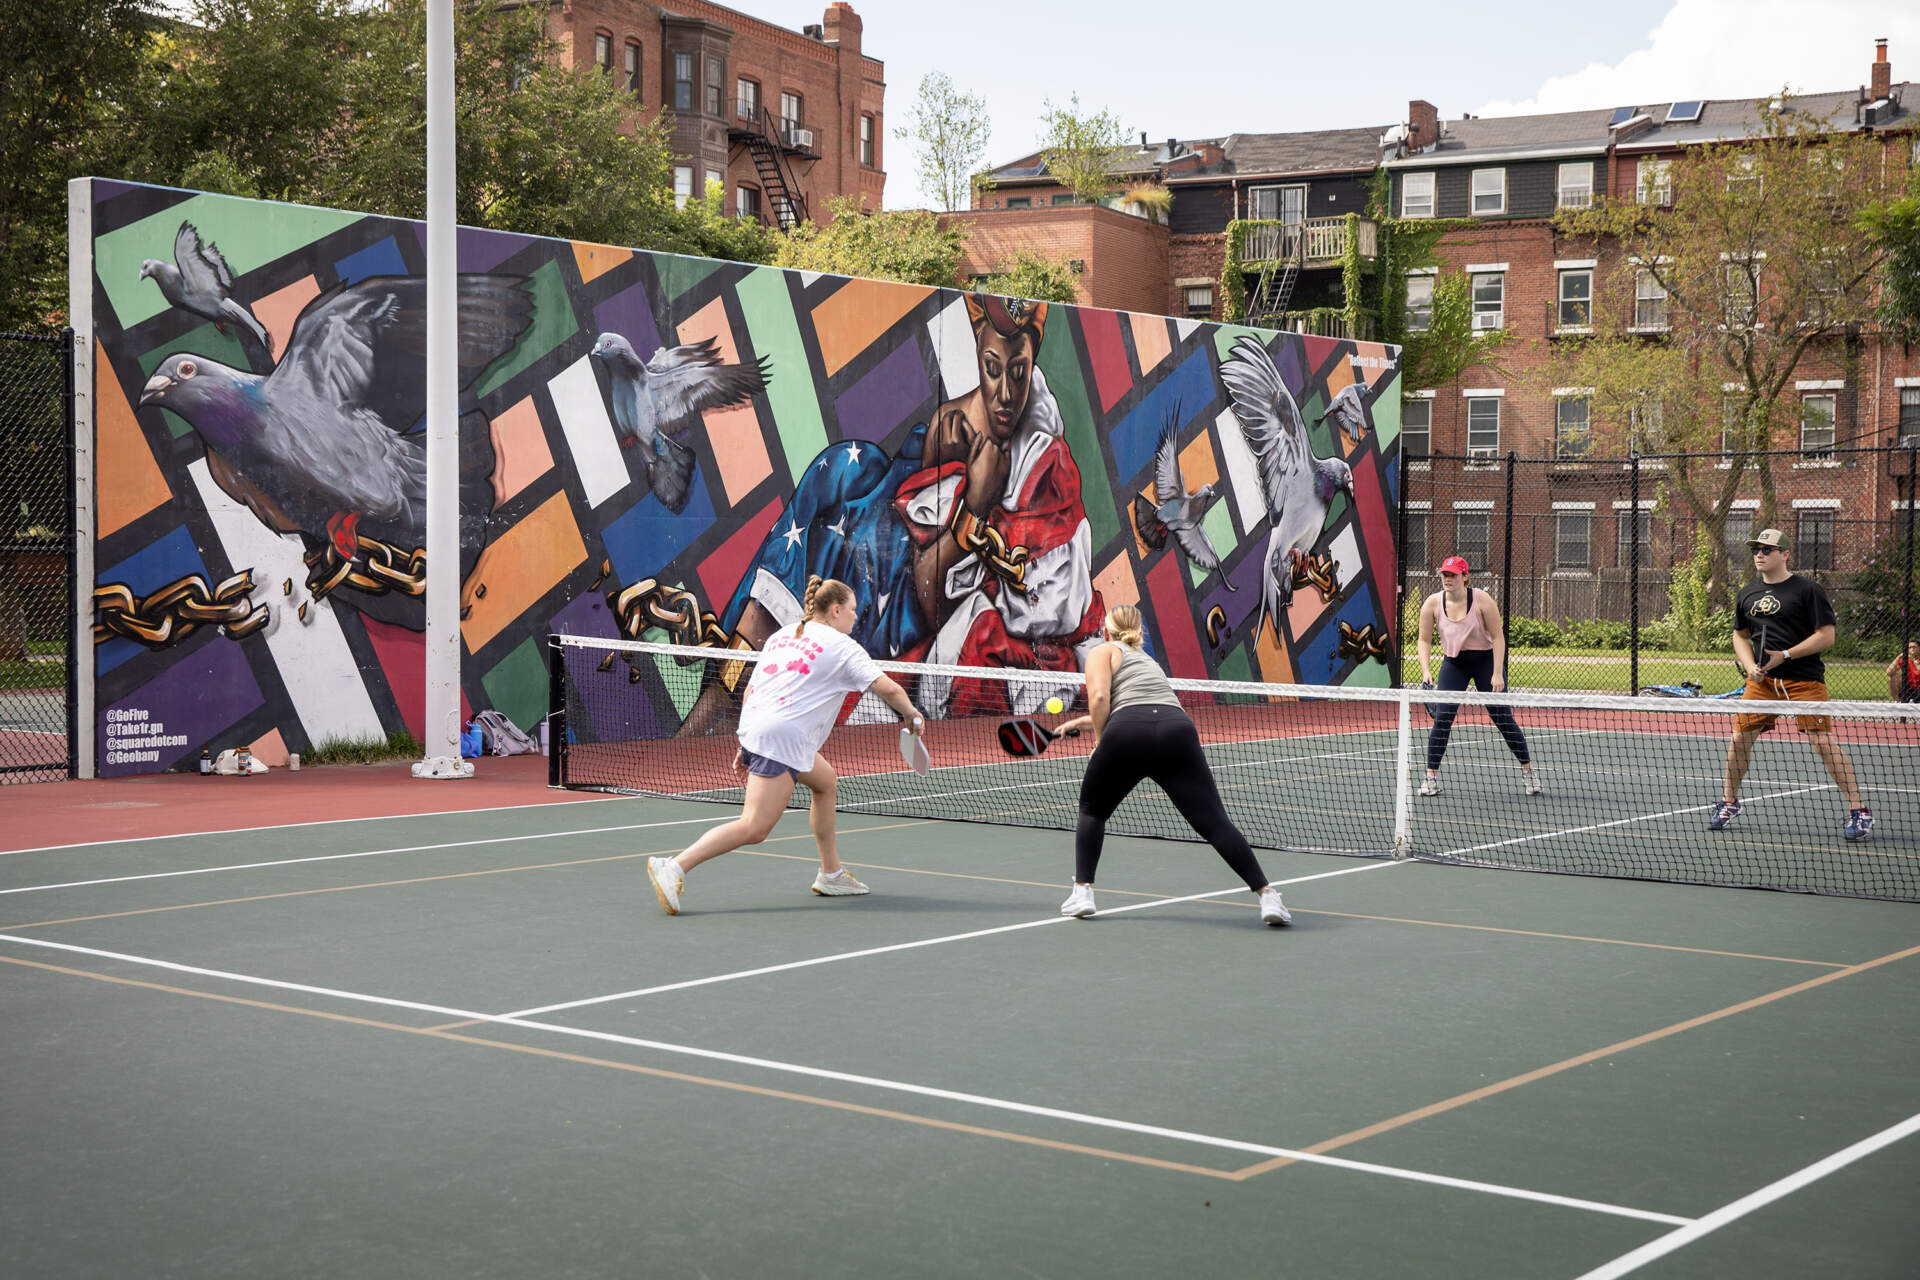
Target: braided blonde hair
(1124,625)
(822,595)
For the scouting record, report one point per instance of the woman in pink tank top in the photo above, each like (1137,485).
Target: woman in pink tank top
(1475,647)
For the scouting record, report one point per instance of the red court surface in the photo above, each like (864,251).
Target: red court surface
(55,813)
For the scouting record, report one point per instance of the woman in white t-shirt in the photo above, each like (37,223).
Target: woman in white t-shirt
(790,705)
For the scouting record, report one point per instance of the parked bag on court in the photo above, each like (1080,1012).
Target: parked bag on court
(501,736)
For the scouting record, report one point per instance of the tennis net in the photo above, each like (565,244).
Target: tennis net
(1627,785)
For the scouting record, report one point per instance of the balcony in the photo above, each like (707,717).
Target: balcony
(1316,242)
(1328,322)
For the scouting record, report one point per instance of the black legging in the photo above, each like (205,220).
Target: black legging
(1474,665)
(1156,741)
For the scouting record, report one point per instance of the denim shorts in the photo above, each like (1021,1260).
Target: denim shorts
(764,766)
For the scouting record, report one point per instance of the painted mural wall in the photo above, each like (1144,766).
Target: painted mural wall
(664,447)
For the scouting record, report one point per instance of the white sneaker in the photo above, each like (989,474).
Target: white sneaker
(1430,787)
(668,881)
(1079,903)
(1272,910)
(1531,780)
(840,884)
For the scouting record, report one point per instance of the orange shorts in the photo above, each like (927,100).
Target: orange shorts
(1784,691)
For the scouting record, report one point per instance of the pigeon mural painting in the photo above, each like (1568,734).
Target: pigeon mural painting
(660,448)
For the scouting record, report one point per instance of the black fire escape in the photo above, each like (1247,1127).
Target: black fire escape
(776,148)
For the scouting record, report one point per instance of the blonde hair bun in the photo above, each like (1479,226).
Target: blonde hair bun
(1124,626)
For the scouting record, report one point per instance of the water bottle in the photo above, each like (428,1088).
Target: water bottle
(245,758)
(293,762)
(206,763)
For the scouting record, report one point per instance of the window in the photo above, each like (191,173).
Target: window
(1019,202)
(1636,534)
(1743,293)
(1470,535)
(716,78)
(1489,192)
(1483,425)
(1576,185)
(1743,179)
(746,203)
(715,178)
(1816,423)
(1656,181)
(1573,428)
(1416,195)
(1199,301)
(1278,204)
(1647,420)
(790,118)
(1065,197)
(603,51)
(1419,303)
(633,67)
(1908,432)
(1813,540)
(682,185)
(683,82)
(1649,301)
(1823,289)
(1416,429)
(1572,540)
(1735,532)
(1576,298)
(1489,300)
(1416,540)
(1684,111)
(866,141)
(746,99)
(1827,170)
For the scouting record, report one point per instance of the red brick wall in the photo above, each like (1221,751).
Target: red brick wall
(1195,258)
(837,82)
(1126,257)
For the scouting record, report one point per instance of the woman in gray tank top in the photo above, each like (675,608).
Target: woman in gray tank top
(1142,733)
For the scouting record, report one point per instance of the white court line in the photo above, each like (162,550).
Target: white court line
(910,946)
(365,853)
(898,1086)
(1622,822)
(283,826)
(1740,1208)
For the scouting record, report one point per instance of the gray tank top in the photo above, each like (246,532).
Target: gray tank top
(1139,681)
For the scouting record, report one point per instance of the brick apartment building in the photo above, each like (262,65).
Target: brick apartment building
(1508,176)
(783,119)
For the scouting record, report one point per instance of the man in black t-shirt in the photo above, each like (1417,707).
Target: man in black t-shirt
(1781,626)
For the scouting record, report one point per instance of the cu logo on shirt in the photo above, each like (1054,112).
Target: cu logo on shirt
(1766,605)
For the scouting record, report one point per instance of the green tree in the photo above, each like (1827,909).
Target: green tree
(906,245)
(1713,304)
(1031,275)
(950,130)
(1895,224)
(1449,345)
(58,64)
(1081,151)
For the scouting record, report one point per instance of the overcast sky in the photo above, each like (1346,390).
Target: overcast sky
(1204,69)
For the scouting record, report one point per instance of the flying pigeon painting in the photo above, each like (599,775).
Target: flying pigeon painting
(1178,512)
(655,401)
(199,281)
(325,445)
(1348,411)
(1297,487)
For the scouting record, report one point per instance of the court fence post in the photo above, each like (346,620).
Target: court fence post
(1402,780)
(556,730)
(1632,544)
(1400,573)
(69,401)
(1506,563)
(1906,577)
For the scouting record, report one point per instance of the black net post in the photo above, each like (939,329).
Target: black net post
(69,404)
(1632,543)
(1506,559)
(1400,569)
(556,712)
(1906,576)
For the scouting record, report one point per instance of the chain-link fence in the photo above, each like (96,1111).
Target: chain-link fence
(36,556)
(1607,579)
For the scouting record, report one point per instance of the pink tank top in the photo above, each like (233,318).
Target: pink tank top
(1468,633)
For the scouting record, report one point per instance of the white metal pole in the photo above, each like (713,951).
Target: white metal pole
(442,747)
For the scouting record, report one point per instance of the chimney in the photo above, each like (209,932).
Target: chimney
(1882,72)
(842,26)
(1423,125)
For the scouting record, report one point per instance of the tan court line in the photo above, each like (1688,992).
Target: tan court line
(1541,1073)
(884,1113)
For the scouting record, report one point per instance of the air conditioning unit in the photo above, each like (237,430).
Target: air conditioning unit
(801,139)
(1482,455)
(1488,320)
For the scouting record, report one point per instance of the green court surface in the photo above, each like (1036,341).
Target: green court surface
(472,1045)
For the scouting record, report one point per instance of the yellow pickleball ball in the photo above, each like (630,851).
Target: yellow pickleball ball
(1056,706)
